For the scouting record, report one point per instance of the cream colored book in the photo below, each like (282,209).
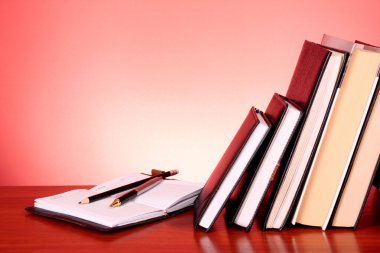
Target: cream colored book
(339,140)
(359,182)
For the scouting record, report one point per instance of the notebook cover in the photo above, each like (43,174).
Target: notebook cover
(275,113)
(373,101)
(95,226)
(302,89)
(217,176)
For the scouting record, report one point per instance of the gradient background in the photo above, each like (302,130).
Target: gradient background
(92,90)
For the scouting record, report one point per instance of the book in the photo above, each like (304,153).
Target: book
(364,164)
(326,90)
(230,168)
(284,116)
(362,171)
(376,180)
(333,156)
(168,198)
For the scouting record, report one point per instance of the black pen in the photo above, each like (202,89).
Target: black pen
(108,193)
(136,191)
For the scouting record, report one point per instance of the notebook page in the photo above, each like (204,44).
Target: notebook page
(168,193)
(184,203)
(100,211)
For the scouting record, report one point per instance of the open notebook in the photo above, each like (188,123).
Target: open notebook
(164,200)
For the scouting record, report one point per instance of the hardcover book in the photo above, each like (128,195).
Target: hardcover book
(230,168)
(363,169)
(284,116)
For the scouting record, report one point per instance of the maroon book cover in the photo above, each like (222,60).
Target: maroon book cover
(306,74)
(275,109)
(214,181)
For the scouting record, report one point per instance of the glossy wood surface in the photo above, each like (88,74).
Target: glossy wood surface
(24,232)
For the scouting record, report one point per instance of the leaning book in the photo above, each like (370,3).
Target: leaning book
(163,201)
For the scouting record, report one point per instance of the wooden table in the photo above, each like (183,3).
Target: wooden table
(21,231)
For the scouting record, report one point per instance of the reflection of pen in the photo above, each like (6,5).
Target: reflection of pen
(108,193)
(136,191)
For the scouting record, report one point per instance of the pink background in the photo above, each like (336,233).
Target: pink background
(92,90)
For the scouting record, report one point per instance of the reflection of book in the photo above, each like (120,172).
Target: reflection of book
(164,200)
(345,241)
(311,241)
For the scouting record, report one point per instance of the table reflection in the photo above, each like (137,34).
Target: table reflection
(292,240)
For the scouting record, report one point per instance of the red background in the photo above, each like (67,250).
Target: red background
(91,90)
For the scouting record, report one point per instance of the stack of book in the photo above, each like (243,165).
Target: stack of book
(312,156)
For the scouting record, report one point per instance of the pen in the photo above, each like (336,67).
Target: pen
(108,193)
(136,191)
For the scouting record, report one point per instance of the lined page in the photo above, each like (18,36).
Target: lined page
(100,211)
(169,193)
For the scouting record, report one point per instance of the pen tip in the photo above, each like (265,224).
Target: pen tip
(84,201)
(116,203)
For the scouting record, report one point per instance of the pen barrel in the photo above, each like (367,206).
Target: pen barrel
(148,185)
(139,190)
(127,196)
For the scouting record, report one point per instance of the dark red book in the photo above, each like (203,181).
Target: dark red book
(302,90)
(246,200)
(230,168)
(307,73)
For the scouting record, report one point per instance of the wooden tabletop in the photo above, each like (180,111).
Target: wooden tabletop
(21,231)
